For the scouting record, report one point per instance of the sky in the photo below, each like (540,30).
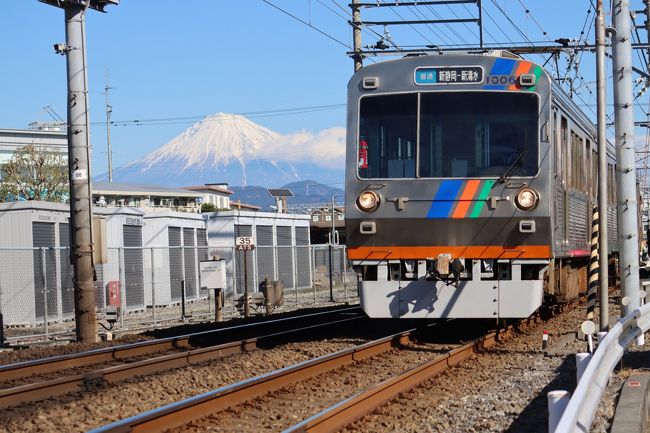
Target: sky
(172,63)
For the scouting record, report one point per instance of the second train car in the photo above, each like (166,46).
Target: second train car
(470,181)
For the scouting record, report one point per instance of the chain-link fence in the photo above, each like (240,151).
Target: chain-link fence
(158,286)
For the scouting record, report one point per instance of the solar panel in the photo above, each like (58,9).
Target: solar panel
(280,192)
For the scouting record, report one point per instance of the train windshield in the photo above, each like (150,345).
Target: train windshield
(461,134)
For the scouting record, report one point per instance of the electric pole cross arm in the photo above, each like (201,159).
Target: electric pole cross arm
(97,5)
(78,122)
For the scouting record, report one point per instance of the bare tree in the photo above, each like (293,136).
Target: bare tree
(33,173)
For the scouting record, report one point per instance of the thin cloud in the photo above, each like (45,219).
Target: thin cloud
(325,148)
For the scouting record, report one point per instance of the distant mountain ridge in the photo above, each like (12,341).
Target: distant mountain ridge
(229,148)
(305,192)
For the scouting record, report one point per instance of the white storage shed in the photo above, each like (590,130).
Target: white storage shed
(35,270)
(281,248)
(178,242)
(125,257)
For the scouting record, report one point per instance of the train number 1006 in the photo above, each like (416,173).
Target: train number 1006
(501,79)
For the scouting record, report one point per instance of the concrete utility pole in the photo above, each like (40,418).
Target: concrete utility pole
(602,166)
(647,26)
(356,34)
(331,255)
(109,111)
(79,161)
(625,157)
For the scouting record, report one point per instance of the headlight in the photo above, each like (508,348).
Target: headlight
(368,201)
(526,199)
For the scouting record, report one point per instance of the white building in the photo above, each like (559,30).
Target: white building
(217,194)
(50,138)
(149,198)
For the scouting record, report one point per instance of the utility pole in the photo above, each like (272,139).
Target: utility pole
(602,167)
(625,157)
(81,253)
(647,25)
(356,35)
(480,22)
(332,239)
(109,111)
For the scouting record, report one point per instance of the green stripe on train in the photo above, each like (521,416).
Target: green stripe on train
(478,207)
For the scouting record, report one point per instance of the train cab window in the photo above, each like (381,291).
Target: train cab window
(387,136)
(478,134)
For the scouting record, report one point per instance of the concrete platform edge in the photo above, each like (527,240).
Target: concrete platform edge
(631,415)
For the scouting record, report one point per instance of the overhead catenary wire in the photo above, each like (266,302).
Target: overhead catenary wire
(431,28)
(197,118)
(322,32)
(539,26)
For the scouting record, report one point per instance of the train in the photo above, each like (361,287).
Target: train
(470,181)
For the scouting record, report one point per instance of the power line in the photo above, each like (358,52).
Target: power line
(196,118)
(544,33)
(327,35)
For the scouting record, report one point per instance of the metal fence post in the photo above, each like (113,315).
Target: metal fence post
(312,265)
(294,270)
(183,281)
(153,289)
(331,271)
(345,272)
(44,273)
(2,325)
(122,280)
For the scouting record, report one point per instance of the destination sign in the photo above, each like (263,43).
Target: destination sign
(448,75)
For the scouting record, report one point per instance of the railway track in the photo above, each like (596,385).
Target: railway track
(69,373)
(229,407)
(198,410)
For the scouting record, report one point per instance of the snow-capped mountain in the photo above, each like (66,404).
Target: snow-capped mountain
(231,149)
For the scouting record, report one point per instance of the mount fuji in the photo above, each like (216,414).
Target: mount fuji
(229,148)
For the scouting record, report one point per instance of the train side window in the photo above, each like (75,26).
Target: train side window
(587,173)
(573,151)
(594,171)
(580,164)
(564,150)
(614,185)
(556,141)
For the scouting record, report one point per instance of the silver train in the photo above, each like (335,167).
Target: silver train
(470,181)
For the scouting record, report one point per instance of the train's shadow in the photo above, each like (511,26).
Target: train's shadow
(534,417)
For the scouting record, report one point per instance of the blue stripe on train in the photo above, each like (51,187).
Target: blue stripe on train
(502,67)
(444,199)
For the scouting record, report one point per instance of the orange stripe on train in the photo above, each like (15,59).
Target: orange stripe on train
(466,199)
(522,68)
(470,252)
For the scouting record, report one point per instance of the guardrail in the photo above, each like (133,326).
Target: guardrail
(581,409)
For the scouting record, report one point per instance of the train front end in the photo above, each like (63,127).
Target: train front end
(447,186)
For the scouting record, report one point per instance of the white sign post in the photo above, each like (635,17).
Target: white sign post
(213,276)
(245,244)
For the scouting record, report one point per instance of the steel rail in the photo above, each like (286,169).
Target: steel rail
(50,388)
(47,365)
(179,413)
(349,410)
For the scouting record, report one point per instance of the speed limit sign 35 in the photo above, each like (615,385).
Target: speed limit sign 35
(244,243)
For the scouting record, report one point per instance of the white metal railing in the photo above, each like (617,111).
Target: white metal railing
(579,413)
